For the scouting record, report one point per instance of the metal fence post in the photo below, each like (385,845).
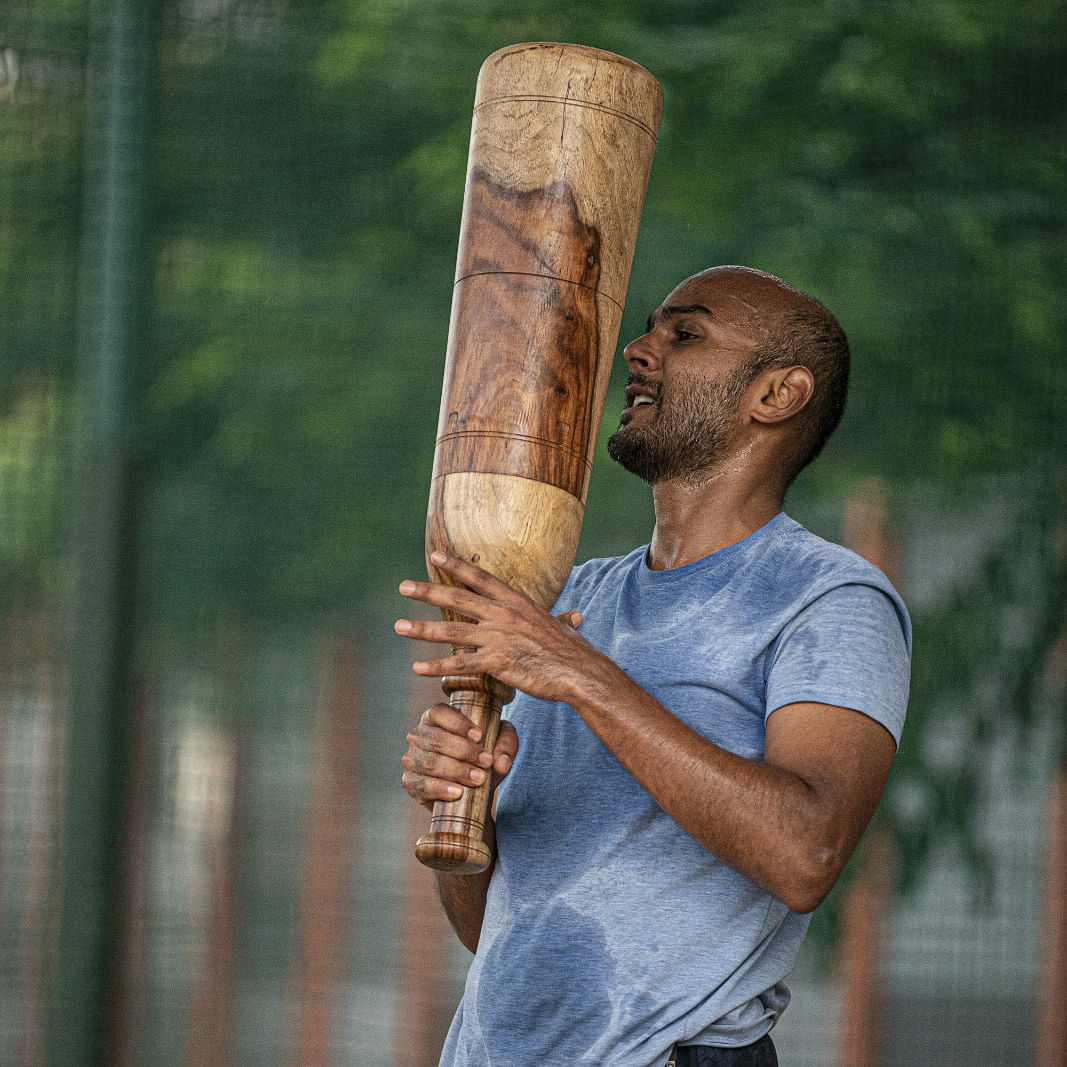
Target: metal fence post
(113,295)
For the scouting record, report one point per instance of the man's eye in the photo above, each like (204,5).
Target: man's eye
(684,335)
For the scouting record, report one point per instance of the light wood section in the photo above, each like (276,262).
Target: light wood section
(570,131)
(524,532)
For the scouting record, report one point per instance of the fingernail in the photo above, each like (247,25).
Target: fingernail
(402,626)
(505,763)
(438,558)
(455,791)
(485,759)
(475,734)
(477,776)
(407,588)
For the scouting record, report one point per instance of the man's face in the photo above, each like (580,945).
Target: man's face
(688,376)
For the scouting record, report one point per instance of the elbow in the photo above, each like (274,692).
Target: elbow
(807,880)
(803,900)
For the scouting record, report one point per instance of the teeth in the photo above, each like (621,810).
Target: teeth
(642,400)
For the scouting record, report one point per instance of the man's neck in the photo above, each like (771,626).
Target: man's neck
(695,520)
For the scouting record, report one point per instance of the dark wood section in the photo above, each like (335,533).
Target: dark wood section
(523,357)
(526,231)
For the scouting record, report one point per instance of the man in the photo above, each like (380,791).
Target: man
(701,733)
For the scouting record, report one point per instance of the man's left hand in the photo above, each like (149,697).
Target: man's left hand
(514,640)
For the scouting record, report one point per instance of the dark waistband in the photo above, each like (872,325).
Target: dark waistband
(759,1054)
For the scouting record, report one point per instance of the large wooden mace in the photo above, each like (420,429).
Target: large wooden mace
(561,148)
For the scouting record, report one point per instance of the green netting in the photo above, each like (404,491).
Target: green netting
(227,243)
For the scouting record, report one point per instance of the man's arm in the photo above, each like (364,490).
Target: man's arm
(789,823)
(463,897)
(444,753)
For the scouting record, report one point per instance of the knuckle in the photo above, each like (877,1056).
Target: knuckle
(434,716)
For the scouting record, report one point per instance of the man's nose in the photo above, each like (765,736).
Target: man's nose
(640,354)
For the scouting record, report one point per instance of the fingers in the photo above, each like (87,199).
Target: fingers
(472,576)
(453,633)
(574,619)
(506,748)
(444,753)
(474,595)
(462,601)
(461,663)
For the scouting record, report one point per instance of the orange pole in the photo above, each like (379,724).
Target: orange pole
(46,806)
(424,988)
(1051,1017)
(128,1006)
(862,951)
(212,1012)
(863,941)
(319,970)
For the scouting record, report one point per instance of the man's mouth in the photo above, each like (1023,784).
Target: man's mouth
(640,394)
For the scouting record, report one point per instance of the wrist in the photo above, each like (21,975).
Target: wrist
(598,687)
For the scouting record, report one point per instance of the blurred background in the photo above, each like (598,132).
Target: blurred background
(227,243)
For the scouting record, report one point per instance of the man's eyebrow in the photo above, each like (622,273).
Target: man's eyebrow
(687,309)
(676,309)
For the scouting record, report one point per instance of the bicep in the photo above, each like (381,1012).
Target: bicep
(842,756)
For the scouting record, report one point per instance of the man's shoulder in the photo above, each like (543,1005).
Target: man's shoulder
(797,555)
(804,567)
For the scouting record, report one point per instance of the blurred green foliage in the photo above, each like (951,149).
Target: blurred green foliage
(903,162)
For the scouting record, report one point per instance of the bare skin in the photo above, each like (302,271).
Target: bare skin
(789,822)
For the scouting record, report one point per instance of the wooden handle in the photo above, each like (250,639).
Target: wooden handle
(456,841)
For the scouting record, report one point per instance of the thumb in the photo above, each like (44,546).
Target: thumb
(574,619)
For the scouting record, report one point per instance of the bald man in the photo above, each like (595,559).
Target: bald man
(703,728)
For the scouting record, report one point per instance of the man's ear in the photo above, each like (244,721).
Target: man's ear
(782,392)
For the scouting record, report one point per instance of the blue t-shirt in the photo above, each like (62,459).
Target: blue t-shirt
(610,934)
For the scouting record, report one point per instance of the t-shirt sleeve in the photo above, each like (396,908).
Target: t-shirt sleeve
(850,647)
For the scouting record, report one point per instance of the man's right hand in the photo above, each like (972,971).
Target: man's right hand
(445,752)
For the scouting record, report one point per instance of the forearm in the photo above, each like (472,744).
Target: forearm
(463,897)
(764,821)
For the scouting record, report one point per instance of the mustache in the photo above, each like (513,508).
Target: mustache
(646,382)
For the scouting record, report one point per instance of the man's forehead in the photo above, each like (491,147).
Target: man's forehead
(753,298)
(726,299)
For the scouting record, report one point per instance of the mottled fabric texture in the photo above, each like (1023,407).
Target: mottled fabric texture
(611,935)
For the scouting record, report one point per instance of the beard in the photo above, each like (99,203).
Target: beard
(689,435)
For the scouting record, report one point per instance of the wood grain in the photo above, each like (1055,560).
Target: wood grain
(561,150)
